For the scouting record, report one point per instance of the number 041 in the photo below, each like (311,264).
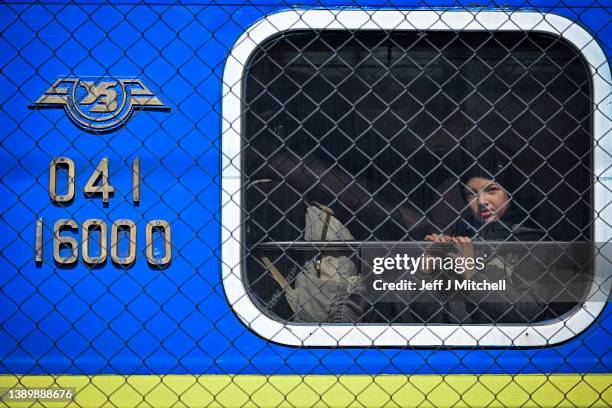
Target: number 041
(98,183)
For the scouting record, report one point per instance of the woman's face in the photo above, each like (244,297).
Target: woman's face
(488,201)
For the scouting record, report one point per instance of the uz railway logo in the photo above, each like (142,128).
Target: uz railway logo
(100,106)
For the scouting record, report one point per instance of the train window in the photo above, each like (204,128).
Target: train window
(400,178)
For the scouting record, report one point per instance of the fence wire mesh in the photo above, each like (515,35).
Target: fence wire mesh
(278,204)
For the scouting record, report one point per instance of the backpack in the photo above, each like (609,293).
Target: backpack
(328,288)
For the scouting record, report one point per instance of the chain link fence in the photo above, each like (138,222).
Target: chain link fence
(275,204)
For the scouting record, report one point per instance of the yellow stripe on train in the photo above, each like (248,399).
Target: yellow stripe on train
(529,390)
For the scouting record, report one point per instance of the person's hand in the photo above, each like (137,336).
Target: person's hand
(464,245)
(438,238)
(466,250)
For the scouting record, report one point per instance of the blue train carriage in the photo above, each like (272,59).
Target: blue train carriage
(220,204)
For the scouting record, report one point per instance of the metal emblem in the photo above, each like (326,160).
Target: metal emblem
(100,106)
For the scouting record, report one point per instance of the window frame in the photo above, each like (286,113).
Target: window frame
(404,334)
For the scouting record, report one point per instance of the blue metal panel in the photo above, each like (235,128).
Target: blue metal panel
(143,320)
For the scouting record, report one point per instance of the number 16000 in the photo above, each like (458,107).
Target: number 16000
(94,238)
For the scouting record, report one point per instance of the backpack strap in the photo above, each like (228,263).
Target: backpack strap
(290,293)
(328,214)
(278,277)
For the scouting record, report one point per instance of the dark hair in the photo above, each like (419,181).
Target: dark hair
(496,166)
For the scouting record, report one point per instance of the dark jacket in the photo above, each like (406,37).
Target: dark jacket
(531,280)
(526,298)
